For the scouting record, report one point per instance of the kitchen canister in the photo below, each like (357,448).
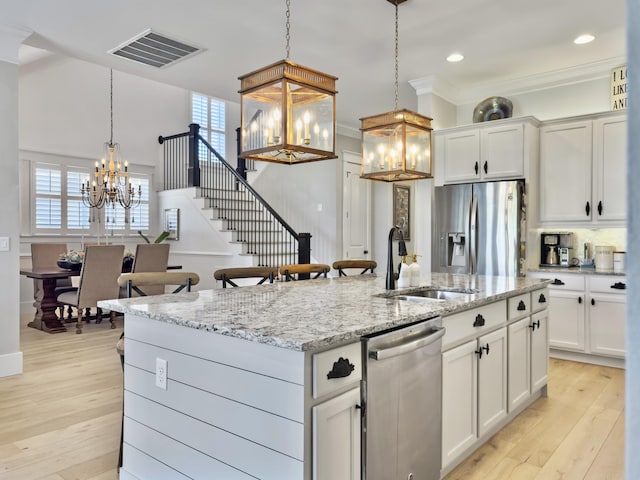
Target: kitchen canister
(618,262)
(604,257)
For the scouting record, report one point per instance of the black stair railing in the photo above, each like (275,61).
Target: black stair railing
(190,161)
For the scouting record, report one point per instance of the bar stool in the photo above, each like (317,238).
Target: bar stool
(365,265)
(227,275)
(302,270)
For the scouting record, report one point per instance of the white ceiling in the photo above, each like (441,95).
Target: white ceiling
(503,41)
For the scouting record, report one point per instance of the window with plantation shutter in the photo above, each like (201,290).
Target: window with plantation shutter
(209,113)
(48,198)
(58,208)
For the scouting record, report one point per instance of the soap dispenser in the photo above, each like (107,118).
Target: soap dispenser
(415,271)
(404,277)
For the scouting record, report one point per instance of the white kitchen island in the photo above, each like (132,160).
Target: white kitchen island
(233,383)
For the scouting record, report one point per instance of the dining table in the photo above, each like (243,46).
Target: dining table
(45,299)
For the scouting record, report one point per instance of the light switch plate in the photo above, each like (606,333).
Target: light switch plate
(4,244)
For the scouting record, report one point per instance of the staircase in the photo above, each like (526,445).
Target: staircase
(253,223)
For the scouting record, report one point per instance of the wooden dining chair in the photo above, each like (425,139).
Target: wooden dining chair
(227,275)
(364,265)
(303,271)
(101,268)
(142,283)
(150,257)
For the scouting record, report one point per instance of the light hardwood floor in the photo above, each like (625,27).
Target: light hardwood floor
(60,420)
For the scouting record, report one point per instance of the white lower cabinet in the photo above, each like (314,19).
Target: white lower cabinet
(528,358)
(474,391)
(336,438)
(587,315)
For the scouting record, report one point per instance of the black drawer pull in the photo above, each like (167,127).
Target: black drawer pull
(557,281)
(479,321)
(521,306)
(579,299)
(593,302)
(619,286)
(479,352)
(342,368)
(542,299)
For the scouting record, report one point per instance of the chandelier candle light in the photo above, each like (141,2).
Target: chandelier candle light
(111,184)
(396,145)
(288,112)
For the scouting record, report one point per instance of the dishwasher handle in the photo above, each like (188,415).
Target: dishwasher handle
(384,353)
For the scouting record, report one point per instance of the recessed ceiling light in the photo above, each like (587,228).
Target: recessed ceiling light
(582,39)
(455,57)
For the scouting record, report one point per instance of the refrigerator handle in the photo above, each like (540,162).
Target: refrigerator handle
(473,244)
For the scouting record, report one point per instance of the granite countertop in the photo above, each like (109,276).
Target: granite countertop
(314,314)
(579,270)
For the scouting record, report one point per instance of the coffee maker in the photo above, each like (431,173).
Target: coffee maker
(555,249)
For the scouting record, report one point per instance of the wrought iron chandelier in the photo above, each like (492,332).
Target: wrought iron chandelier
(287,112)
(111,185)
(396,146)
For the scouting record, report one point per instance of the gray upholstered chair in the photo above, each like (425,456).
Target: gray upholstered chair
(300,271)
(227,275)
(101,268)
(364,265)
(44,256)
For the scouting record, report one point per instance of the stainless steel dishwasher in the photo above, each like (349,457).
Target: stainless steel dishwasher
(402,403)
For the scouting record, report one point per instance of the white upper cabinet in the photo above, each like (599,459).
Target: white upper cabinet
(609,163)
(583,170)
(494,150)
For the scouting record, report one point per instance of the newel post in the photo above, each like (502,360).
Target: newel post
(193,171)
(304,251)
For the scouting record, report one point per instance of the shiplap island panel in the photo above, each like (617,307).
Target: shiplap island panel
(239,401)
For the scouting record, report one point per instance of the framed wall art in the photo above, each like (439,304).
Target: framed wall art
(171,223)
(401,209)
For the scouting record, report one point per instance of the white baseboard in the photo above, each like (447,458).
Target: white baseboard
(10,364)
(587,358)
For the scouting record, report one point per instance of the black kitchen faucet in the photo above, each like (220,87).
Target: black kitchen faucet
(402,251)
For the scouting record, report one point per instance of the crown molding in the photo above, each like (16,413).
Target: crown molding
(11,37)
(517,86)
(348,131)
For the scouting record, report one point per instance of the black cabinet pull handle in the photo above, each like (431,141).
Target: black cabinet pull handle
(479,352)
(342,368)
(542,299)
(538,324)
(557,281)
(587,209)
(486,348)
(486,167)
(532,326)
(479,321)
(521,306)
(579,299)
(593,302)
(619,286)
(476,168)
(600,207)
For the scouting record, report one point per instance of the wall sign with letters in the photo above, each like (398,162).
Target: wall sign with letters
(619,88)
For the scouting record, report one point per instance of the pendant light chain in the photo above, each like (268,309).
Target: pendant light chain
(288,26)
(396,56)
(111,103)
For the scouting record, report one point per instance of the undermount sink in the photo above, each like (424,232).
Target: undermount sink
(431,294)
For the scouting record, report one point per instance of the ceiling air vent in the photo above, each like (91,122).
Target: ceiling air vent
(154,49)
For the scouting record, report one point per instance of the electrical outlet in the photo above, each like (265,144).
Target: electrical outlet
(161,373)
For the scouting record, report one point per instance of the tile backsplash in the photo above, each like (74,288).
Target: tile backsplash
(617,237)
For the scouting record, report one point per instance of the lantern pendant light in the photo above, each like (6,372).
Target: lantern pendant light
(287,112)
(396,146)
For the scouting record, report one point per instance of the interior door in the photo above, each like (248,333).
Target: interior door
(356,209)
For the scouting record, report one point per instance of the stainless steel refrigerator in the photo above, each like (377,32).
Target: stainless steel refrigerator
(480,228)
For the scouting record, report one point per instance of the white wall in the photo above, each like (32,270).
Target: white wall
(10,354)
